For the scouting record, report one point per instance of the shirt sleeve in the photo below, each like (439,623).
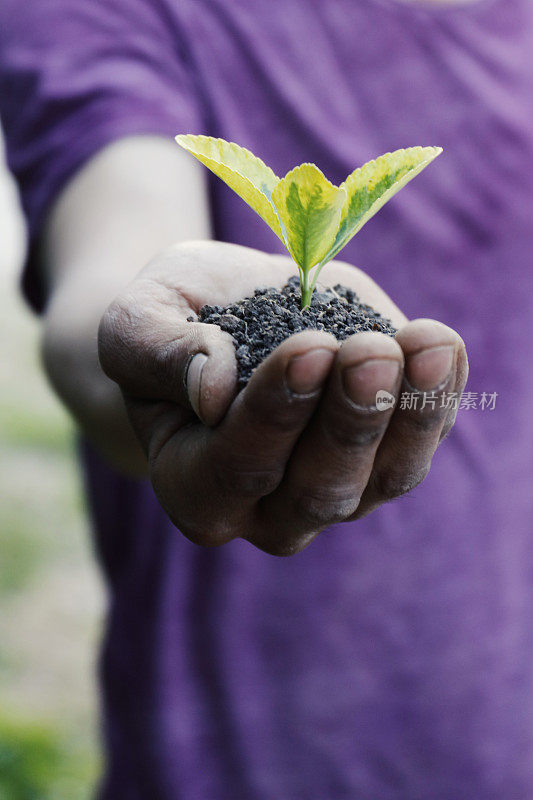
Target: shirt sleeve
(76,75)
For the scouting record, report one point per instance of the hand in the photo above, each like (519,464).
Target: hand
(302,446)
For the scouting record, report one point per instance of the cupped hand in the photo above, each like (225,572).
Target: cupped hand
(303,446)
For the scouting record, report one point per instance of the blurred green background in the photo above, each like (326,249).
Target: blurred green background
(51,599)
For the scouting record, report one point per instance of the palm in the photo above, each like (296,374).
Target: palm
(303,445)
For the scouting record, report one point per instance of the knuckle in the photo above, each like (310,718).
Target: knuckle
(318,509)
(353,435)
(130,337)
(393,483)
(280,541)
(161,359)
(209,527)
(249,481)
(424,421)
(116,334)
(274,412)
(284,548)
(118,318)
(109,332)
(211,534)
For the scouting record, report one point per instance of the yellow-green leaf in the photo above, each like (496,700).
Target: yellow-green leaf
(309,208)
(369,187)
(243,172)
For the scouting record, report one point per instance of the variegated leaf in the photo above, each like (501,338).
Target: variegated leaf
(369,187)
(309,208)
(243,172)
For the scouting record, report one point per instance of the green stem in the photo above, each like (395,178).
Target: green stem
(306,290)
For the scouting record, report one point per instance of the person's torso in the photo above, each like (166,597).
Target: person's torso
(394,657)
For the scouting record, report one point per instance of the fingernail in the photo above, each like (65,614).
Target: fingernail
(361,382)
(307,373)
(194,381)
(430,368)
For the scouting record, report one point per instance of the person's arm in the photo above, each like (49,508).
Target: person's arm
(131,200)
(303,446)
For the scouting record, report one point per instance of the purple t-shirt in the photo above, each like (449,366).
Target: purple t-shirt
(392,659)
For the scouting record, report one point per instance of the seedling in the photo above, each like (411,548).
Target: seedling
(313,218)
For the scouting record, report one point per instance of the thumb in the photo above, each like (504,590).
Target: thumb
(210,377)
(154,354)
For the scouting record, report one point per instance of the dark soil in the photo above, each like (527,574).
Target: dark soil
(260,323)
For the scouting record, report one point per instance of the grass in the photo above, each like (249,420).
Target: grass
(37,764)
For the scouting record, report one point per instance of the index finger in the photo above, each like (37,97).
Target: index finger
(244,458)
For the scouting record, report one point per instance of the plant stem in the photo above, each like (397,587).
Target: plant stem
(306,290)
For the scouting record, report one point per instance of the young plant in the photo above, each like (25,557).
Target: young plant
(313,218)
